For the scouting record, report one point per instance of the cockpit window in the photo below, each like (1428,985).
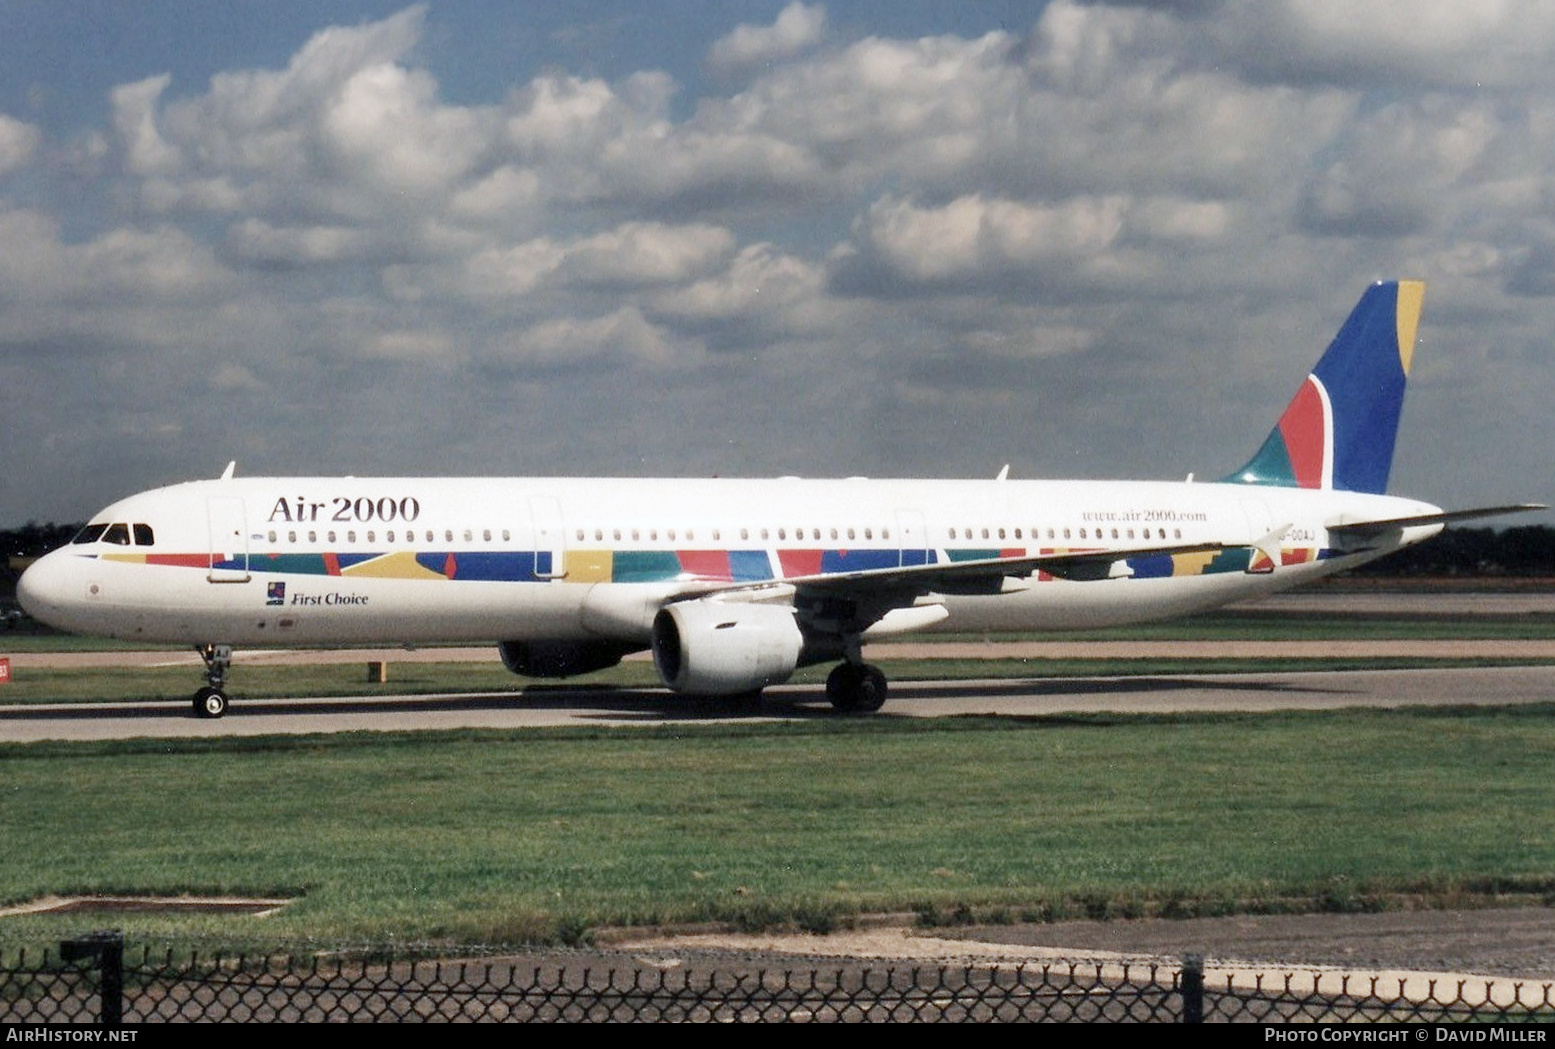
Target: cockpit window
(118,534)
(143,536)
(90,534)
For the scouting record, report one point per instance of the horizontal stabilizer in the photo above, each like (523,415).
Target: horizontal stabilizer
(1362,529)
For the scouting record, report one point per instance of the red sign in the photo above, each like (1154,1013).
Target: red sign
(5,670)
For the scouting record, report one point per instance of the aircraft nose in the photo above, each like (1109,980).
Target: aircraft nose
(46,589)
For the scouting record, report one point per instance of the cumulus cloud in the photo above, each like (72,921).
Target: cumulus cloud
(863,228)
(1423,43)
(619,338)
(18,142)
(798,28)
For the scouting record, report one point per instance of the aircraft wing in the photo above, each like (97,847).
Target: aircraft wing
(980,576)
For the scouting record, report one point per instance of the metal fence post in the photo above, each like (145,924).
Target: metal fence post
(108,948)
(1192,986)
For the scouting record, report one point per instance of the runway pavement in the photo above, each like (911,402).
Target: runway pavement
(560,705)
(545,704)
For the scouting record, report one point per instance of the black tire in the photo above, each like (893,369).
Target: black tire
(856,688)
(871,690)
(842,687)
(210,703)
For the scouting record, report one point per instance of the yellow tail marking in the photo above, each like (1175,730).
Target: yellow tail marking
(1410,293)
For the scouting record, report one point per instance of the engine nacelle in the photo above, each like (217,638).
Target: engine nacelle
(561,658)
(714,648)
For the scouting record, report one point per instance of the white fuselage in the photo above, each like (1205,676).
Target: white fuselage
(300,561)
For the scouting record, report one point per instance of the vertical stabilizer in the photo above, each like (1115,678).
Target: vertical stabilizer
(1339,429)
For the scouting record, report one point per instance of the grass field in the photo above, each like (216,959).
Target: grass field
(507,837)
(500,838)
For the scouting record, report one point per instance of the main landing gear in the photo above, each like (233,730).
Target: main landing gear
(856,688)
(211,701)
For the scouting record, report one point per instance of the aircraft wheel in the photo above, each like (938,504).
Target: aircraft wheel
(856,688)
(210,703)
(871,689)
(841,684)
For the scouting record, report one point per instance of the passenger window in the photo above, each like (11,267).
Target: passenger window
(143,535)
(331,537)
(117,534)
(372,537)
(351,536)
(271,537)
(486,535)
(313,537)
(291,537)
(869,533)
(506,535)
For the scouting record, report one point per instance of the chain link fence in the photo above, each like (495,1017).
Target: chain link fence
(91,981)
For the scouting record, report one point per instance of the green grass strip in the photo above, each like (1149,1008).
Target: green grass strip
(508,837)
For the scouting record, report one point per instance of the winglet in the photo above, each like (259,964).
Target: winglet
(1339,429)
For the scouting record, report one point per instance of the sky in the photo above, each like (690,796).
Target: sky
(1100,239)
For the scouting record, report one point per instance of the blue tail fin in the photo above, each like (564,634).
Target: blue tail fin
(1340,428)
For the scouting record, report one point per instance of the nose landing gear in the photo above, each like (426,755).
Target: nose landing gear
(211,701)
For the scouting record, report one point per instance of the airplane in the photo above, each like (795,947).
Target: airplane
(733,584)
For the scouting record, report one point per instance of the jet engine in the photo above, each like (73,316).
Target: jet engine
(561,658)
(715,648)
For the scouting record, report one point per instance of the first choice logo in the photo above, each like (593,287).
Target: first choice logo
(332,599)
(362,509)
